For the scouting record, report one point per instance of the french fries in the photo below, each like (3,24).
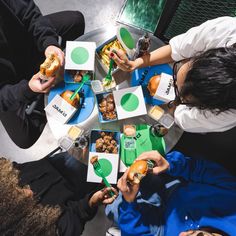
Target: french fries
(105,51)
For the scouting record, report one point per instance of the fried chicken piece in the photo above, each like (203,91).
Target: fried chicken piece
(99,144)
(110,98)
(104,147)
(106,143)
(103,103)
(111,115)
(107,107)
(110,106)
(107,137)
(113,142)
(110,148)
(77,77)
(103,110)
(115,150)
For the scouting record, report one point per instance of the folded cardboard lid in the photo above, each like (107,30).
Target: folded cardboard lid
(126,40)
(80,55)
(129,102)
(165,90)
(60,109)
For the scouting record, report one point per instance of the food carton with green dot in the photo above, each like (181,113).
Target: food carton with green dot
(79,61)
(121,40)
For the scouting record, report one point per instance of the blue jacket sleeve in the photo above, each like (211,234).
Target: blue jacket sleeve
(130,220)
(201,171)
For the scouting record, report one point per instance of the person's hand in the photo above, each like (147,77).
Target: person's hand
(103,197)
(171,107)
(128,191)
(197,232)
(53,49)
(122,60)
(38,86)
(161,164)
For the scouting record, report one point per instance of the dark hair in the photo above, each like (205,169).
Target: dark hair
(211,80)
(21,215)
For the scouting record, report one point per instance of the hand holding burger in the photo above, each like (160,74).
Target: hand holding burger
(57,51)
(36,85)
(129,182)
(50,66)
(137,171)
(128,190)
(161,164)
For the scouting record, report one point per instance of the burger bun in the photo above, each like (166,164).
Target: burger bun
(137,171)
(153,84)
(66,96)
(50,66)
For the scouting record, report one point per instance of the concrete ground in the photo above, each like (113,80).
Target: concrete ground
(97,13)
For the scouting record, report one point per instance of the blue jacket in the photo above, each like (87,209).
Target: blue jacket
(207,199)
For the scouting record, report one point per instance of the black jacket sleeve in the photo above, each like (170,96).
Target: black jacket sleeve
(28,16)
(38,26)
(74,217)
(11,95)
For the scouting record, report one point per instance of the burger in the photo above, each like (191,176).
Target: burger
(50,66)
(137,171)
(153,84)
(73,102)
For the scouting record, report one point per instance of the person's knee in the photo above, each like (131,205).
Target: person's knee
(22,132)
(79,23)
(24,141)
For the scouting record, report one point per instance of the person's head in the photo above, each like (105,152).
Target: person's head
(203,232)
(20,214)
(208,80)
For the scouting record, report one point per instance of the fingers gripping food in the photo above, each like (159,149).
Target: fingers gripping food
(73,102)
(50,66)
(137,171)
(93,160)
(105,51)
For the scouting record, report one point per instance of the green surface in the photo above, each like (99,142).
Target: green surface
(106,167)
(129,102)
(191,13)
(143,14)
(127,38)
(129,143)
(79,55)
(145,141)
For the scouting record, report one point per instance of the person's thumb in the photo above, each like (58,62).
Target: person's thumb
(48,83)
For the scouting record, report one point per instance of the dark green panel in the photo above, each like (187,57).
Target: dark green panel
(143,14)
(194,12)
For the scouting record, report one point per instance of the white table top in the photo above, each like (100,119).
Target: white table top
(122,79)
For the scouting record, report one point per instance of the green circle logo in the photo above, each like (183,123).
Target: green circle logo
(127,38)
(106,167)
(129,102)
(79,55)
